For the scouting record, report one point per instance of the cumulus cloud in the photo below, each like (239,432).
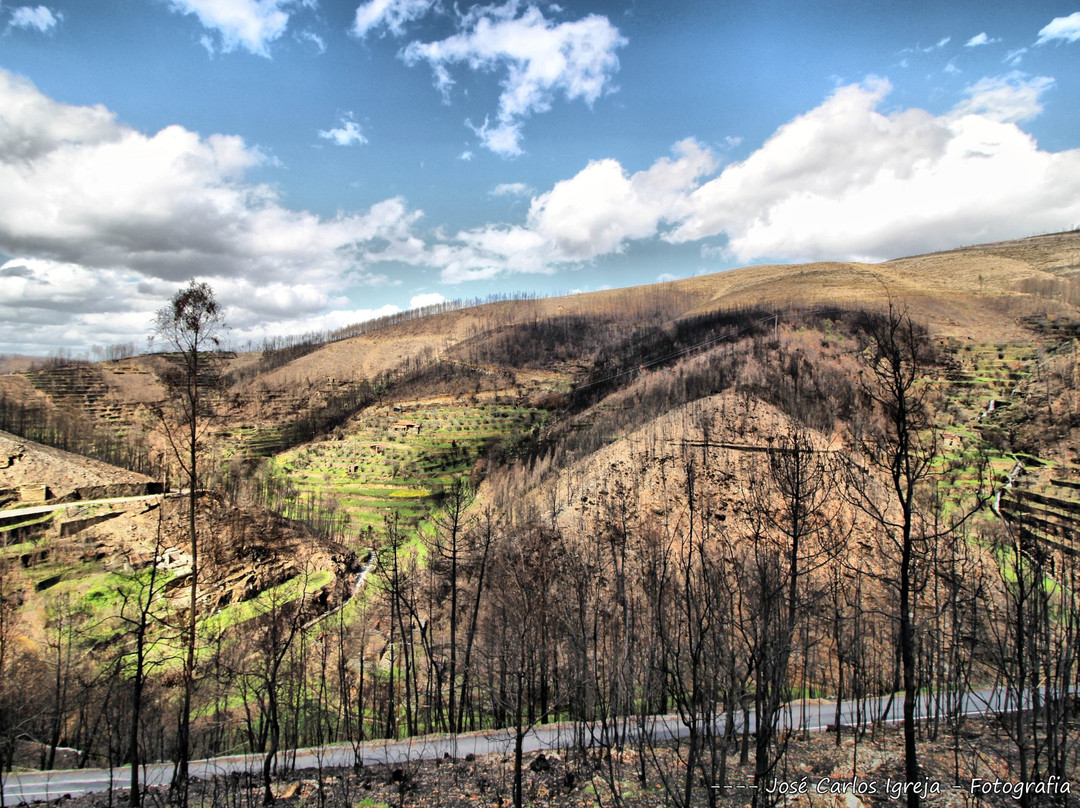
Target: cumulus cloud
(105,221)
(88,204)
(256,301)
(390,15)
(980,39)
(488,252)
(39,18)
(248,24)
(348,134)
(594,213)
(50,304)
(543,60)
(77,186)
(426,299)
(602,207)
(1008,99)
(849,179)
(54,285)
(846,180)
(1066,29)
(333,320)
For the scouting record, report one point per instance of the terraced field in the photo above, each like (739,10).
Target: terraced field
(78,387)
(250,441)
(987,379)
(398,459)
(991,386)
(1048,513)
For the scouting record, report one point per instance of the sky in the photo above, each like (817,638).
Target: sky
(322,162)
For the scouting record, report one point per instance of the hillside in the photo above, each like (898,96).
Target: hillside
(24,463)
(978,292)
(677,498)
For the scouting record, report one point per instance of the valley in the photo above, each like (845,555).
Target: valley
(696,499)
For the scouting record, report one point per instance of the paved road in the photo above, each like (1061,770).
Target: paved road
(37,510)
(815,717)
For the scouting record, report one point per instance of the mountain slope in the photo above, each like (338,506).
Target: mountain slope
(583,506)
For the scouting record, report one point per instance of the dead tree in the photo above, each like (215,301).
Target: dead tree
(141,611)
(796,529)
(902,449)
(1034,628)
(480,540)
(190,326)
(448,550)
(524,628)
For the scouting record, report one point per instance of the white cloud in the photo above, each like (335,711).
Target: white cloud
(48,304)
(1015,57)
(39,18)
(88,204)
(1066,29)
(848,181)
(314,39)
(598,210)
(594,213)
(427,299)
(980,39)
(1007,99)
(844,180)
(503,137)
(302,324)
(489,252)
(941,43)
(543,60)
(46,284)
(78,186)
(348,134)
(32,126)
(466,156)
(248,24)
(392,15)
(254,301)
(511,189)
(106,221)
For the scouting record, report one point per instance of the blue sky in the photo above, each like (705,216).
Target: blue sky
(323,161)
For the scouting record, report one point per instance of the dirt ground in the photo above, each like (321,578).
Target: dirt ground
(23,462)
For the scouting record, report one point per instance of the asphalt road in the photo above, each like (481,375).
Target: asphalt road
(814,717)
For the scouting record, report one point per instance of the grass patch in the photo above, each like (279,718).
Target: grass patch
(13,550)
(31,522)
(283,593)
(394,462)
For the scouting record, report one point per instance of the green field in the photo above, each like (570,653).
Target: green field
(396,461)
